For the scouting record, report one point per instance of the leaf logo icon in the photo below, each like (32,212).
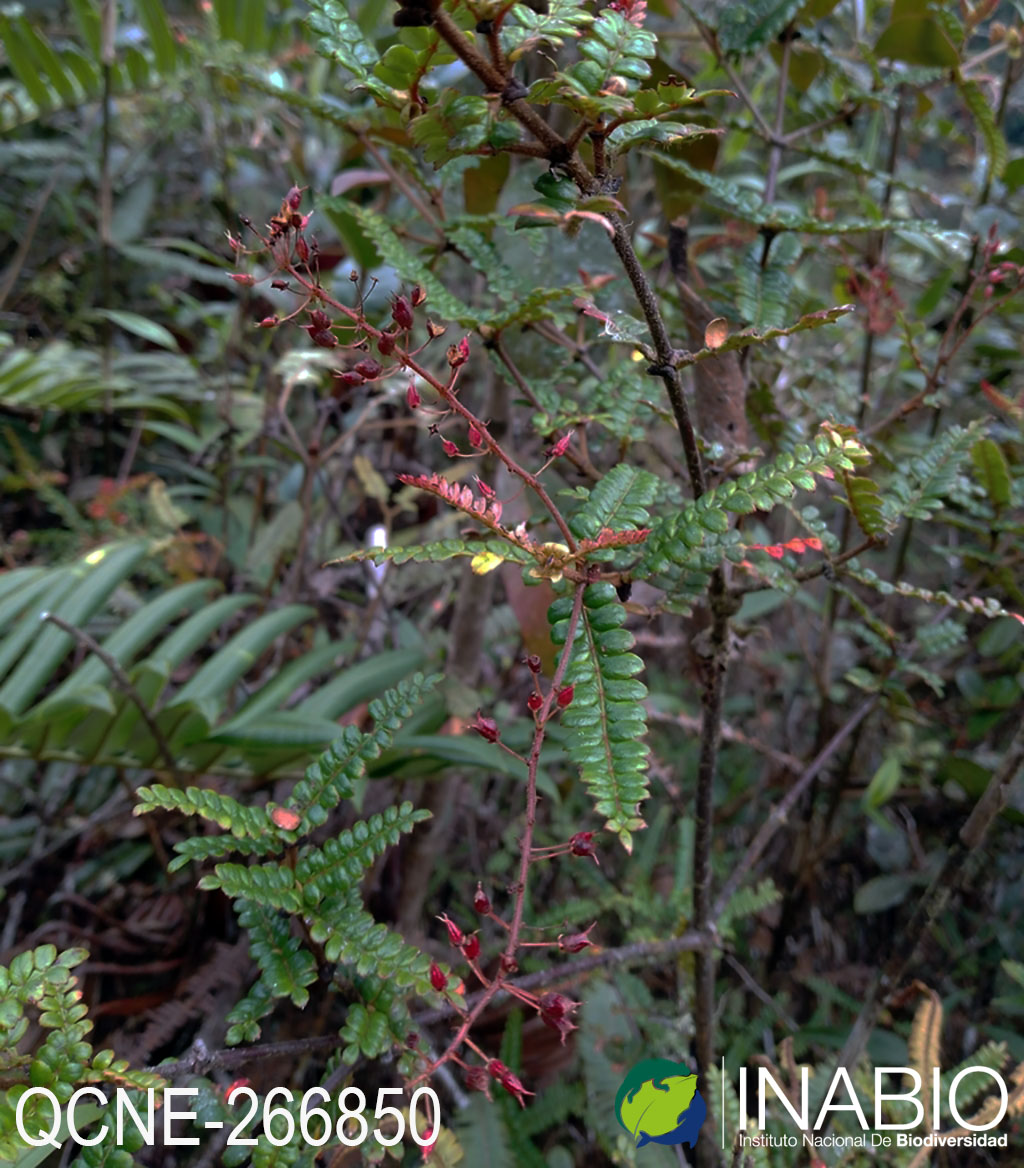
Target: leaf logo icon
(659,1103)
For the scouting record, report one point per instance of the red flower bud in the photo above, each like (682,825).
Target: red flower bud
(449,448)
(418,296)
(582,844)
(471,947)
(349,379)
(369,368)
(486,727)
(322,338)
(458,354)
(454,932)
(302,249)
(508,1080)
(318,319)
(412,1039)
(481,901)
(476,439)
(554,1011)
(574,942)
(279,285)
(412,396)
(269,322)
(561,446)
(243,278)
(401,313)
(534,702)
(508,964)
(478,1080)
(294,198)
(437,977)
(534,663)
(565,695)
(386,344)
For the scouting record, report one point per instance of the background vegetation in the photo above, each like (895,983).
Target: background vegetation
(732,295)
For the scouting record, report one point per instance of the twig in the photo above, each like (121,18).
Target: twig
(775,154)
(954,872)
(779,814)
(125,683)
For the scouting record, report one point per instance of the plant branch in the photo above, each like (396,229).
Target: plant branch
(953,873)
(124,683)
(780,813)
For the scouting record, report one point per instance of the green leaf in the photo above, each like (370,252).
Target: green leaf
(747,26)
(884,782)
(633,133)
(917,40)
(865,501)
(140,326)
(341,40)
(96,577)
(993,471)
(153,16)
(985,119)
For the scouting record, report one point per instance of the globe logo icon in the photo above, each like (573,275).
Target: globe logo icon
(659,1103)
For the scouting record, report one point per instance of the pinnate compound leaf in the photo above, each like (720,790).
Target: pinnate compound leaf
(606,722)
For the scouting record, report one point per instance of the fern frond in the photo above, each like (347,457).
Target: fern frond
(930,478)
(606,722)
(285,967)
(350,935)
(226,812)
(330,778)
(343,860)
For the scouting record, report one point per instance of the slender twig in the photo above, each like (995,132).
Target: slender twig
(780,813)
(953,872)
(775,154)
(124,682)
(526,840)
